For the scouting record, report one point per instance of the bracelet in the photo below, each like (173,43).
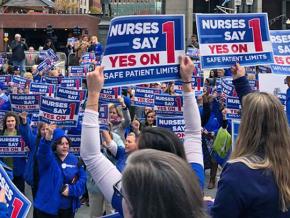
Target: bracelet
(186,82)
(92,104)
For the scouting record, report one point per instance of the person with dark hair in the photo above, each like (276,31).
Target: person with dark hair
(11,128)
(49,45)
(62,178)
(103,171)
(256,181)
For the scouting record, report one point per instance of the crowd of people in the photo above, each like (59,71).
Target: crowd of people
(140,170)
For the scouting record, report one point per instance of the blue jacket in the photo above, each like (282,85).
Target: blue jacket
(247,193)
(32,142)
(53,175)
(288,105)
(242,87)
(121,157)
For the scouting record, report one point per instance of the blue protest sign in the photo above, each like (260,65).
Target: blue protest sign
(143,49)
(88,57)
(71,82)
(51,55)
(42,88)
(75,144)
(226,39)
(34,120)
(71,94)
(5,79)
(254,84)
(76,71)
(264,69)
(281,48)
(283,99)
(103,116)
(60,112)
(197,85)
(45,66)
(110,95)
(193,53)
(25,102)
(18,204)
(233,108)
(144,97)
(175,124)
(20,82)
(168,105)
(2,115)
(235,132)
(51,80)
(12,146)
(227,88)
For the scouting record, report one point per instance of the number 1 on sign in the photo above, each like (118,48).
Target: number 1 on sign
(168,29)
(255,25)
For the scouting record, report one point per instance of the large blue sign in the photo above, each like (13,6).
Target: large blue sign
(51,80)
(12,146)
(75,144)
(25,102)
(143,49)
(60,112)
(20,82)
(18,204)
(110,95)
(168,105)
(71,82)
(281,48)
(233,108)
(226,39)
(144,97)
(76,71)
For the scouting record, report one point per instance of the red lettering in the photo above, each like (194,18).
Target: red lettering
(288,60)
(113,60)
(132,60)
(279,60)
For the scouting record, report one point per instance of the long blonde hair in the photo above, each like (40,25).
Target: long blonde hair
(264,140)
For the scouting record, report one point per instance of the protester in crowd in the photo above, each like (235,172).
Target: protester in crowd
(150,118)
(4,99)
(36,75)
(170,89)
(18,46)
(163,87)
(49,45)
(194,42)
(31,57)
(119,118)
(261,155)
(17,71)
(11,128)
(62,178)
(96,47)
(104,172)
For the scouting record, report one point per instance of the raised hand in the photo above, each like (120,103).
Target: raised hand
(238,71)
(95,80)
(23,117)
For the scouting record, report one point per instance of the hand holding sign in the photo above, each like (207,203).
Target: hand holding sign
(95,80)
(2,195)
(186,71)
(238,71)
(23,117)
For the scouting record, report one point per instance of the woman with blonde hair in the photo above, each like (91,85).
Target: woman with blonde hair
(256,180)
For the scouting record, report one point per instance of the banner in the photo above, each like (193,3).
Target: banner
(88,57)
(168,105)
(42,88)
(45,66)
(281,48)
(25,102)
(144,97)
(71,94)
(225,39)
(143,49)
(60,112)
(12,146)
(110,95)
(71,82)
(75,144)
(233,108)
(175,124)
(18,204)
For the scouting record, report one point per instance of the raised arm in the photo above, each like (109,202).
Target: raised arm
(104,173)
(241,82)
(192,139)
(26,132)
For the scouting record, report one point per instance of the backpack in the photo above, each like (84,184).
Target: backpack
(222,143)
